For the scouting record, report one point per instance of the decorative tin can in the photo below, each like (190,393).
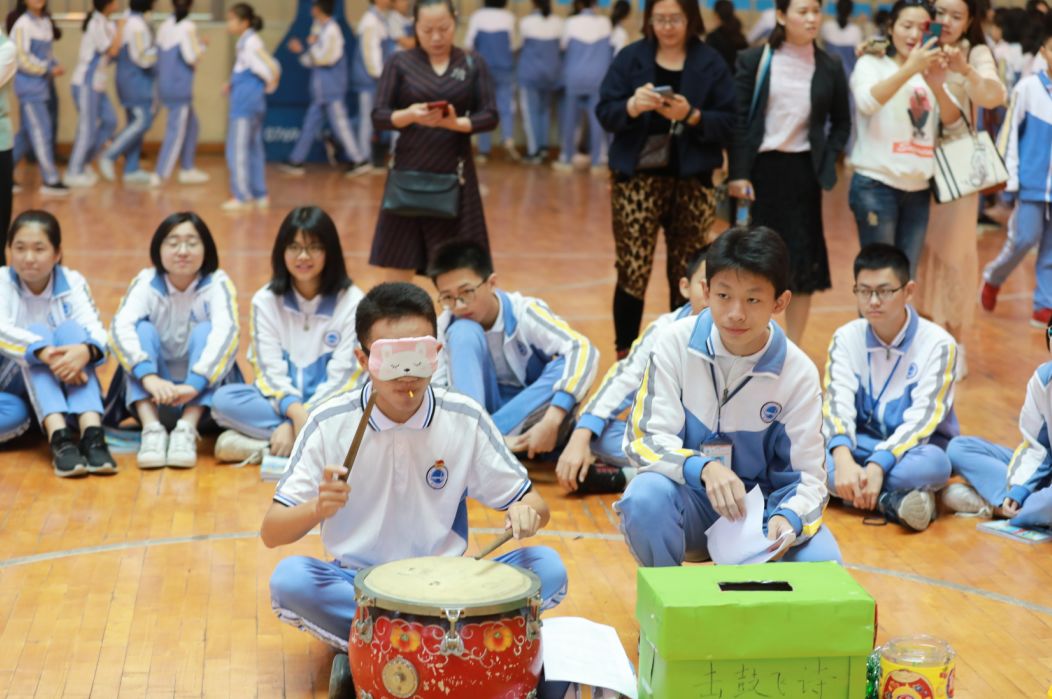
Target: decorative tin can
(916,667)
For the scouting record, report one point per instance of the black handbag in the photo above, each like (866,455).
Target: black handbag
(412,193)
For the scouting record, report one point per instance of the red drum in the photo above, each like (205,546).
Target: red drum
(446,628)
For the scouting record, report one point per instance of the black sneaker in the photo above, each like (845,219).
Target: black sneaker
(535,159)
(93,447)
(291,168)
(362,168)
(65,455)
(603,478)
(913,509)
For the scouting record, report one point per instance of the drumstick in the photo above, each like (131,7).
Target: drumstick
(352,453)
(496,544)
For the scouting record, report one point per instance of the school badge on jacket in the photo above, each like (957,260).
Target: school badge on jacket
(437,475)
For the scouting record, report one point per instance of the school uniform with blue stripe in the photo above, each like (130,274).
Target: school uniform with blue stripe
(63,314)
(588,53)
(136,89)
(374,47)
(178,53)
(772,416)
(34,37)
(301,352)
(491,33)
(97,120)
(540,75)
(602,414)
(254,70)
(892,404)
(530,359)
(1025,475)
(328,89)
(188,336)
(408,498)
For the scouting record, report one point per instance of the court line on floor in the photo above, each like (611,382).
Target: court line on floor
(233,536)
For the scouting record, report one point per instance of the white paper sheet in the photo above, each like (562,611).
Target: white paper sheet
(743,542)
(582,651)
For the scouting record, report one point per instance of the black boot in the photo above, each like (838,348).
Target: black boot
(65,455)
(93,447)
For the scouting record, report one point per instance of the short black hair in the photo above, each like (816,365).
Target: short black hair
(316,225)
(327,7)
(392,300)
(141,5)
(461,254)
(211,261)
(877,256)
(696,262)
(754,249)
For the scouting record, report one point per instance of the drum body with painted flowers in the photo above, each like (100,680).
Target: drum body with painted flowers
(445,627)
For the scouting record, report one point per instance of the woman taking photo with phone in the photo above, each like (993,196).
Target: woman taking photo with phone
(785,148)
(668,100)
(436,96)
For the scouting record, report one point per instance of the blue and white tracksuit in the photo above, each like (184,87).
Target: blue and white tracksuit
(34,37)
(601,415)
(530,359)
(1025,142)
(328,93)
(187,337)
(772,415)
(136,89)
(892,404)
(540,74)
(491,33)
(301,352)
(1024,475)
(178,52)
(63,314)
(96,120)
(374,46)
(254,70)
(586,43)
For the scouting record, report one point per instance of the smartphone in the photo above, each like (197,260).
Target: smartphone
(934,30)
(441,105)
(664,90)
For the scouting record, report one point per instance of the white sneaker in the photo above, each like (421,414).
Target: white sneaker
(83,180)
(55,190)
(236,205)
(155,181)
(154,447)
(138,177)
(106,169)
(194,176)
(263,203)
(182,446)
(234,447)
(965,500)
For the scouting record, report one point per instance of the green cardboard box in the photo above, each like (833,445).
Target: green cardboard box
(753,632)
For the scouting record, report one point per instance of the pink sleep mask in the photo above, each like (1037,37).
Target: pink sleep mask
(415,357)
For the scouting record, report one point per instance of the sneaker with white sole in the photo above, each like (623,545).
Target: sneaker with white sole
(107,170)
(236,205)
(234,447)
(263,203)
(913,509)
(193,176)
(356,169)
(138,177)
(153,450)
(965,500)
(56,189)
(82,181)
(182,446)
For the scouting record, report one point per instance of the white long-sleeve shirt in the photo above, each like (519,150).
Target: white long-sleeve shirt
(95,45)
(182,34)
(327,49)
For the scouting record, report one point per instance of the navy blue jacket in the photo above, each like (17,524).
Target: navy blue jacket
(707,84)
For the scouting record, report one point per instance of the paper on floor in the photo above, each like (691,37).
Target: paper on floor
(743,542)
(582,651)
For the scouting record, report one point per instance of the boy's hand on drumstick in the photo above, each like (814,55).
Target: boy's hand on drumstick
(575,460)
(725,490)
(776,527)
(522,520)
(1010,508)
(333,492)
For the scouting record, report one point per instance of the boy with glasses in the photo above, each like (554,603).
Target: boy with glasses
(509,352)
(888,409)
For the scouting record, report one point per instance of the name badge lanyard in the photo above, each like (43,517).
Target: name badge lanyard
(875,402)
(727,396)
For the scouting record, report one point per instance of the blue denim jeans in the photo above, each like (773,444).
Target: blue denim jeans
(888,215)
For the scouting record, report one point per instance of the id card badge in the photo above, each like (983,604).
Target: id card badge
(720,449)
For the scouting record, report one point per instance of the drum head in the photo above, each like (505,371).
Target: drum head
(430,584)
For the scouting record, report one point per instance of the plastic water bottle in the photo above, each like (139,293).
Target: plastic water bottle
(742,217)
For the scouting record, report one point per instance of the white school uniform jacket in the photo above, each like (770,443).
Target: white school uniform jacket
(68,298)
(621,383)
(300,355)
(1031,464)
(410,482)
(534,336)
(175,314)
(899,394)
(773,419)
(93,59)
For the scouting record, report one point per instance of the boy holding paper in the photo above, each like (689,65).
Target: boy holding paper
(727,404)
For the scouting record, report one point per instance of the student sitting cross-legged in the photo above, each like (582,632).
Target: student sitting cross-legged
(727,404)
(302,341)
(425,451)
(1003,483)
(509,352)
(889,397)
(601,424)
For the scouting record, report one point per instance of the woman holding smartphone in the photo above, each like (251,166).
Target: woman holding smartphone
(668,100)
(436,96)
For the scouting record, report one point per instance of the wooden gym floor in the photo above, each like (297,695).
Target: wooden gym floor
(155,583)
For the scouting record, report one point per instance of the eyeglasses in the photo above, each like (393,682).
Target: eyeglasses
(295,249)
(671,21)
(191,244)
(464,297)
(883,294)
